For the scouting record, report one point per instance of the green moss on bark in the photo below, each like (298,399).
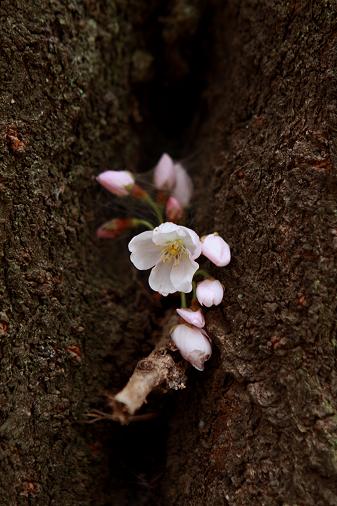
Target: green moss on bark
(65,109)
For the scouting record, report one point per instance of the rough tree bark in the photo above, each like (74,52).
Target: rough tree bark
(259,426)
(261,429)
(66,113)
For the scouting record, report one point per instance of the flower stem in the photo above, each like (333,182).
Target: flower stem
(146,223)
(194,293)
(201,272)
(183,299)
(154,206)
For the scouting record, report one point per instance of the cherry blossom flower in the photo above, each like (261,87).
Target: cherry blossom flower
(195,318)
(209,292)
(165,173)
(216,249)
(174,210)
(170,250)
(193,344)
(118,182)
(183,188)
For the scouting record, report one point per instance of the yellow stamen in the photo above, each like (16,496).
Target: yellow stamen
(173,250)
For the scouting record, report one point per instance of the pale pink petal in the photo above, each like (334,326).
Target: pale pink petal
(184,187)
(209,292)
(195,318)
(193,344)
(216,249)
(182,274)
(164,173)
(118,182)
(159,279)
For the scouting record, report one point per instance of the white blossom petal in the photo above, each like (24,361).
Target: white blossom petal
(159,279)
(192,242)
(166,232)
(140,239)
(144,254)
(182,274)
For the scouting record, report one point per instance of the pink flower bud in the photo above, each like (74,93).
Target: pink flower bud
(164,173)
(174,211)
(114,228)
(195,318)
(103,233)
(118,182)
(184,187)
(216,249)
(209,292)
(193,344)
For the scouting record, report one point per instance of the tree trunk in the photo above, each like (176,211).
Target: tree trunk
(67,334)
(246,89)
(260,427)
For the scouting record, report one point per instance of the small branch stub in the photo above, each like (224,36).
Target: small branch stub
(157,370)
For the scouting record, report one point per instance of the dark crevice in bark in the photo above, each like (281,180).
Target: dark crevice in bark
(169,75)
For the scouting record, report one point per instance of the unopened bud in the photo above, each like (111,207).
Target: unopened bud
(193,344)
(195,318)
(114,228)
(216,249)
(118,182)
(183,188)
(164,173)
(209,292)
(174,210)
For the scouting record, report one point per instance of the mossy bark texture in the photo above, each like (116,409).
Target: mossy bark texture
(66,111)
(259,427)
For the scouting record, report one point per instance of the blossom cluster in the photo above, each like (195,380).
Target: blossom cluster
(171,249)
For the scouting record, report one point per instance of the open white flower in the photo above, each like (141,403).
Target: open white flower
(171,250)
